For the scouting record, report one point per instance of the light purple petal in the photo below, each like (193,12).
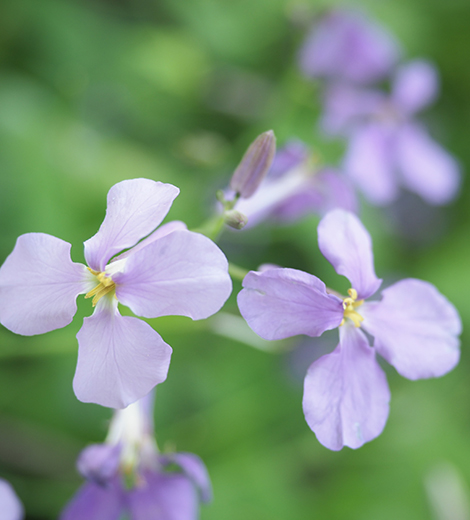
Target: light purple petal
(120,359)
(39,285)
(346,45)
(346,394)
(279,303)
(415,86)
(292,154)
(194,469)
(346,105)
(337,191)
(369,161)
(183,273)
(99,463)
(10,506)
(426,168)
(166,496)
(135,208)
(166,229)
(346,244)
(415,329)
(94,502)
(326,190)
(273,192)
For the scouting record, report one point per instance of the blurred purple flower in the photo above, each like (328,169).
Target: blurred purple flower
(10,506)
(386,147)
(143,484)
(172,271)
(414,327)
(293,189)
(345,45)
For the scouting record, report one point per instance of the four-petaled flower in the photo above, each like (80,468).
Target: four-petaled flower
(387,148)
(415,328)
(172,271)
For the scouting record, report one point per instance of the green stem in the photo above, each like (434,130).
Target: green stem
(236,272)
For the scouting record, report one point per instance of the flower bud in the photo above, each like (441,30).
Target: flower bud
(235,219)
(254,165)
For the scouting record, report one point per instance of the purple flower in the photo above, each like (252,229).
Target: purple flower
(127,475)
(414,328)
(293,189)
(172,271)
(10,506)
(386,147)
(345,45)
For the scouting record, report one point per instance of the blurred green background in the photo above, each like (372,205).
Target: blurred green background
(96,91)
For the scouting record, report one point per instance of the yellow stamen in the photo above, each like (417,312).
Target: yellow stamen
(105,286)
(349,306)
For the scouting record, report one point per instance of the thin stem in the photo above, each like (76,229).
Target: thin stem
(236,272)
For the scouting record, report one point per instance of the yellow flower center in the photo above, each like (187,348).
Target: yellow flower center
(349,305)
(105,286)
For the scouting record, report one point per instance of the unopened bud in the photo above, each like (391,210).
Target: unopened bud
(235,219)
(254,165)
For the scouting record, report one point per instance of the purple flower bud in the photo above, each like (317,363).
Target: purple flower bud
(254,165)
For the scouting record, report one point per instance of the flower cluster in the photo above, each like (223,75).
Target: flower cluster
(170,270)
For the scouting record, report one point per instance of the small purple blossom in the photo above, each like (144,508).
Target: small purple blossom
(345,45)
(415,328)
(128,476)
(172,271)
(10,505)
(387,148)
(293,188)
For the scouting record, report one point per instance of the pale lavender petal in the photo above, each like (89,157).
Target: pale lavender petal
(94,502)
(183,273)
(279,303)
(326,190)
(166,229)
(291,155)
(10,505)
(346,105)
(135,208)
(194,469)
(337,191)
(273,192)
(346,45)
(39,285)
(346,394)
(120,359)
(426,168)
(166,496)
(346,244)
(415,329)
(415,86)
(369,161)
(99,463)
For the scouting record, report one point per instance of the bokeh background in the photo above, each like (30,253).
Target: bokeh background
(96,91)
